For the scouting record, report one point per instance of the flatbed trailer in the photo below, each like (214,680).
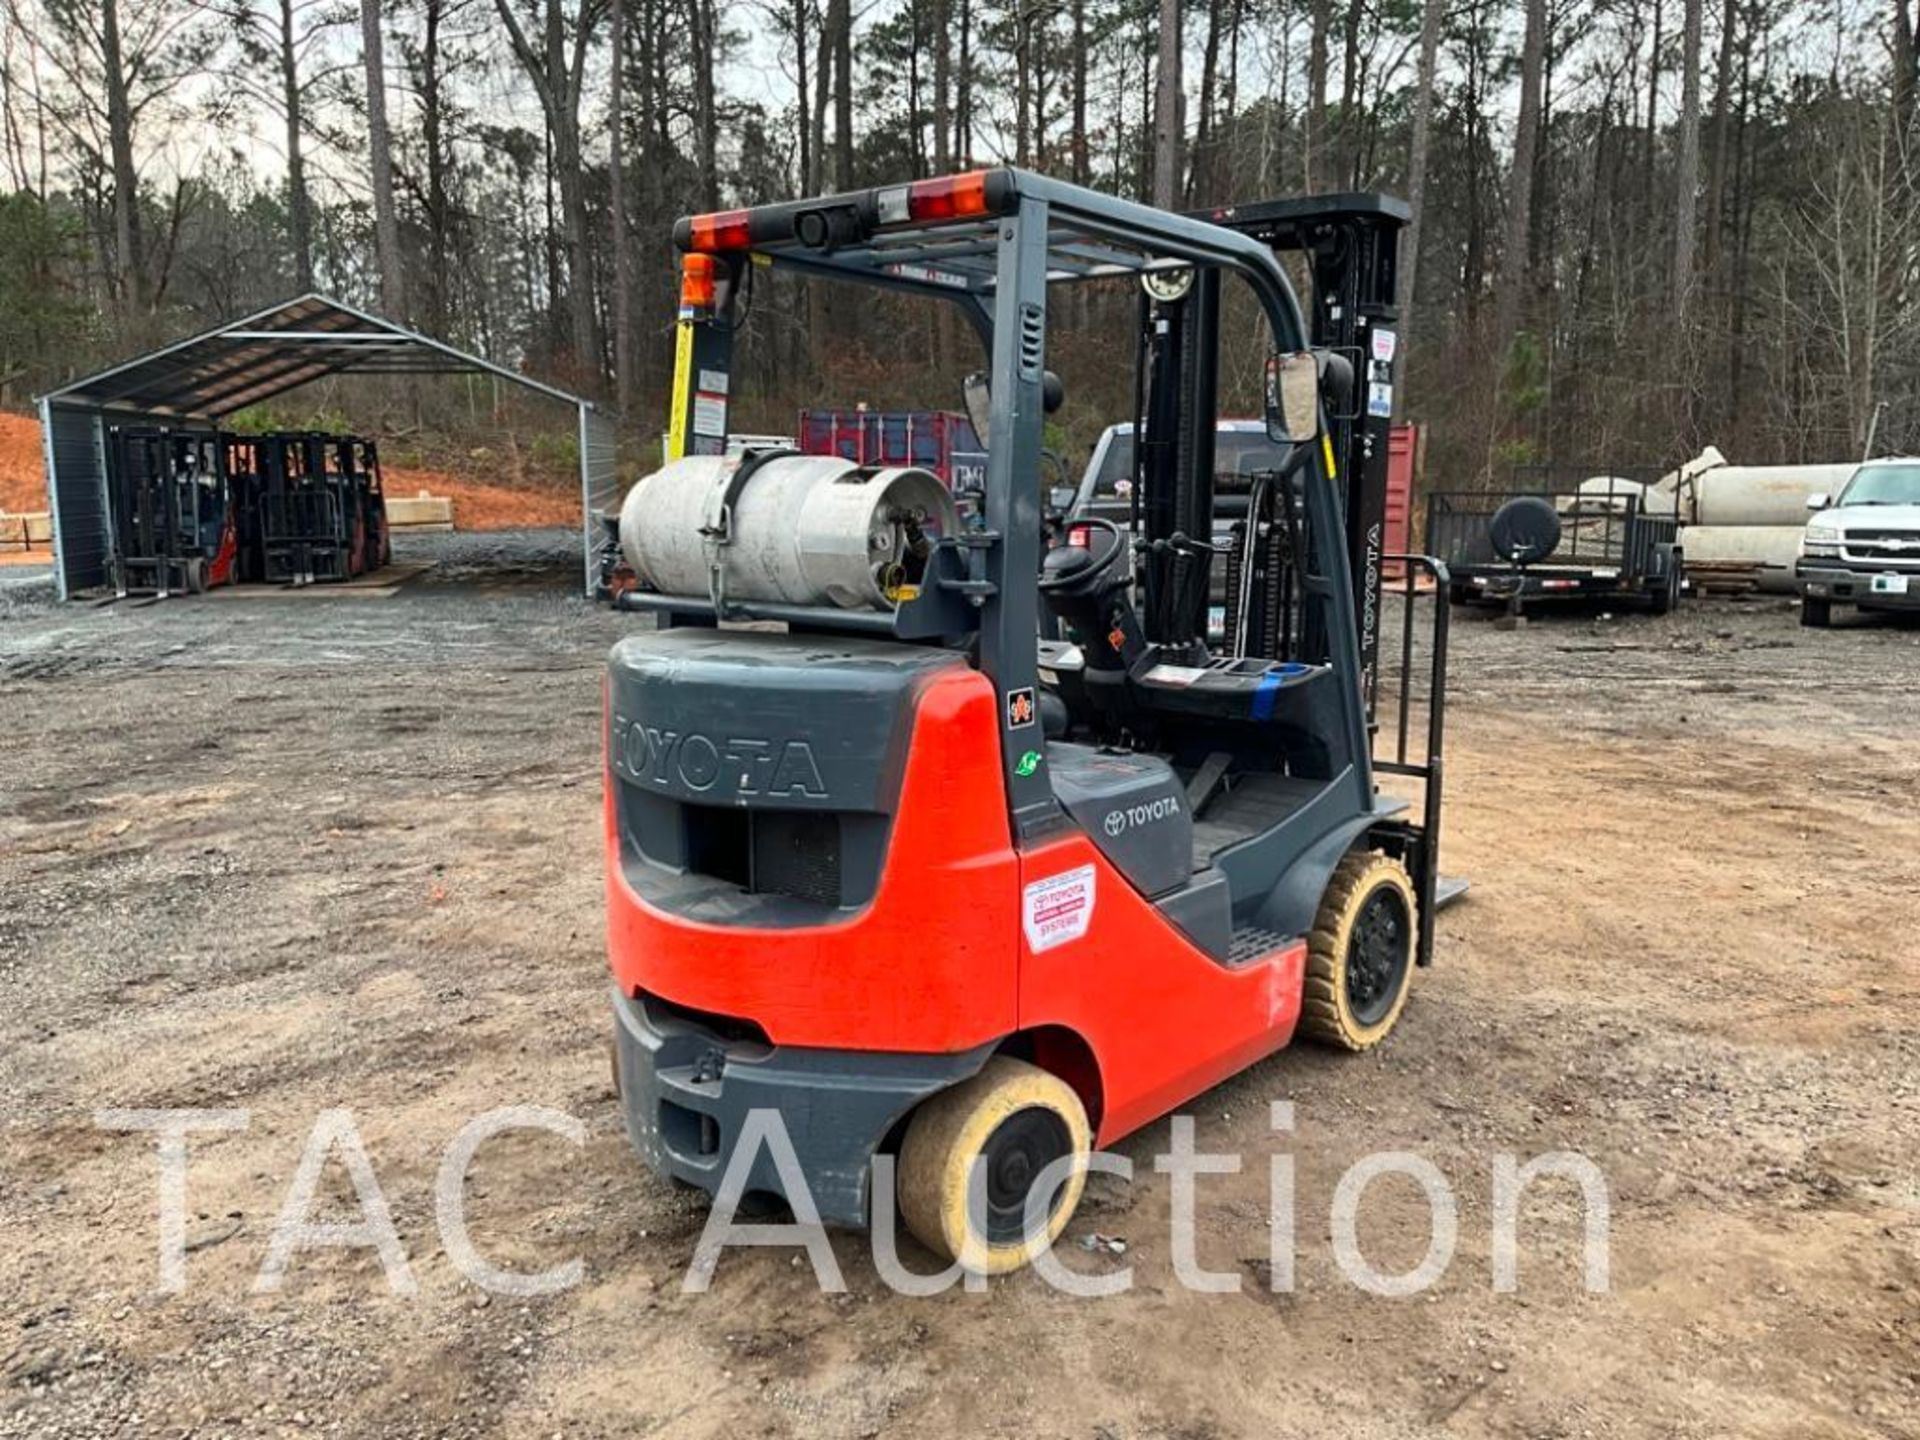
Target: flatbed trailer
(1605,537)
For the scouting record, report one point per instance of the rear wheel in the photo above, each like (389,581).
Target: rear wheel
(1666,595)
(1360,955)
(1815,614)
(1014,1120)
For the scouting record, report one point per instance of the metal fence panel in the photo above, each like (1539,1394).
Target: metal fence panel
(599,486)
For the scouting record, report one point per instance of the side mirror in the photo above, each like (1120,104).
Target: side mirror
(977,398)
(1820,501)
(1293,397)
(1061,497)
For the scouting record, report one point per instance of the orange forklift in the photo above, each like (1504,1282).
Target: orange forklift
(889,865)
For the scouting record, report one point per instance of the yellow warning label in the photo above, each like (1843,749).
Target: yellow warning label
(682,390)
(1326,449)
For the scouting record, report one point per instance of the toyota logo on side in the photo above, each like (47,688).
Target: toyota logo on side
(1117,822)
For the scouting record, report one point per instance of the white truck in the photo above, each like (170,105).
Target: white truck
(1862,547)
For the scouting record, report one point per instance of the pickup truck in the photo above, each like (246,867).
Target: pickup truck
(1241,449)
(1862,548)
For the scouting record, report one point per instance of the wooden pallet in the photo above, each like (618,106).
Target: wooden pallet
(1724,577)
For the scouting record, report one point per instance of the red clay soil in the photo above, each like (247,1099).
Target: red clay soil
(476,504)
(480,506)
(23,488)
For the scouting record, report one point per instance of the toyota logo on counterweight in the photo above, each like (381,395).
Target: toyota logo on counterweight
(1117,822)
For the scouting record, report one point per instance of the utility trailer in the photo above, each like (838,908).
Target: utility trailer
(1559,533)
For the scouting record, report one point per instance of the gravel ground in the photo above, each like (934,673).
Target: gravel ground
(290,854)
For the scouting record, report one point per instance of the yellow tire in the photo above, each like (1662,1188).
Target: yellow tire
(1013,1118)
(1360,956)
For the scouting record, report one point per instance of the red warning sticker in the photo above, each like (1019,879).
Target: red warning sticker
(1058,908)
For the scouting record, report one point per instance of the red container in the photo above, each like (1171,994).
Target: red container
(936,440)
(1403,465)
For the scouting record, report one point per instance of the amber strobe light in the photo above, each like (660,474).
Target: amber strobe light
(697,276)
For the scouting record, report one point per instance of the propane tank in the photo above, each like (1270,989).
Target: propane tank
(1770,549)
(802,530)
(1722,494)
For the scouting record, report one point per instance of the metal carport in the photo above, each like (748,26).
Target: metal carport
(195,383)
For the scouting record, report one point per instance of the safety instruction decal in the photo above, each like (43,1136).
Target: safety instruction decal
(1057,909)
(709,414)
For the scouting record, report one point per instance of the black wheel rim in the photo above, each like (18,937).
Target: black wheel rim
(1377,955)
(1020,1147)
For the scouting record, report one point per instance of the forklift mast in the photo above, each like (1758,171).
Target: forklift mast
(1351,245)
(1178,371)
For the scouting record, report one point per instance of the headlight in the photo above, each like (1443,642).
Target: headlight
(1822,535)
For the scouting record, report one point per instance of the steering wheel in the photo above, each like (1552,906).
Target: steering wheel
(1093,570)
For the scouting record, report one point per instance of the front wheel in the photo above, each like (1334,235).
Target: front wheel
(1013,1120)
(1360,955)
(1815,614)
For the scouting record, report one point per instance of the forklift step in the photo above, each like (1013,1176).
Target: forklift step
(1250,942)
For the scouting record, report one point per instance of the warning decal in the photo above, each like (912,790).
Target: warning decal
(709,414)
(1058,908)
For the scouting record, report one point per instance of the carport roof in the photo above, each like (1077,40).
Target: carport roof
(275,350)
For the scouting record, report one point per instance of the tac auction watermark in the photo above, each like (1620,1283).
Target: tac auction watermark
(334,1142)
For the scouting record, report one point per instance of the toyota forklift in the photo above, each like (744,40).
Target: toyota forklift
(886,863)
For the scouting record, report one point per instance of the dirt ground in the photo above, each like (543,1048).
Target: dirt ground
(287,855)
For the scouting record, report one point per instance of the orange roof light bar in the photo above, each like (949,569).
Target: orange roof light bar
(722,230)
(699,275)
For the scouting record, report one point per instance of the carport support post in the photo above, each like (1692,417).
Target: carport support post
(53,499)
